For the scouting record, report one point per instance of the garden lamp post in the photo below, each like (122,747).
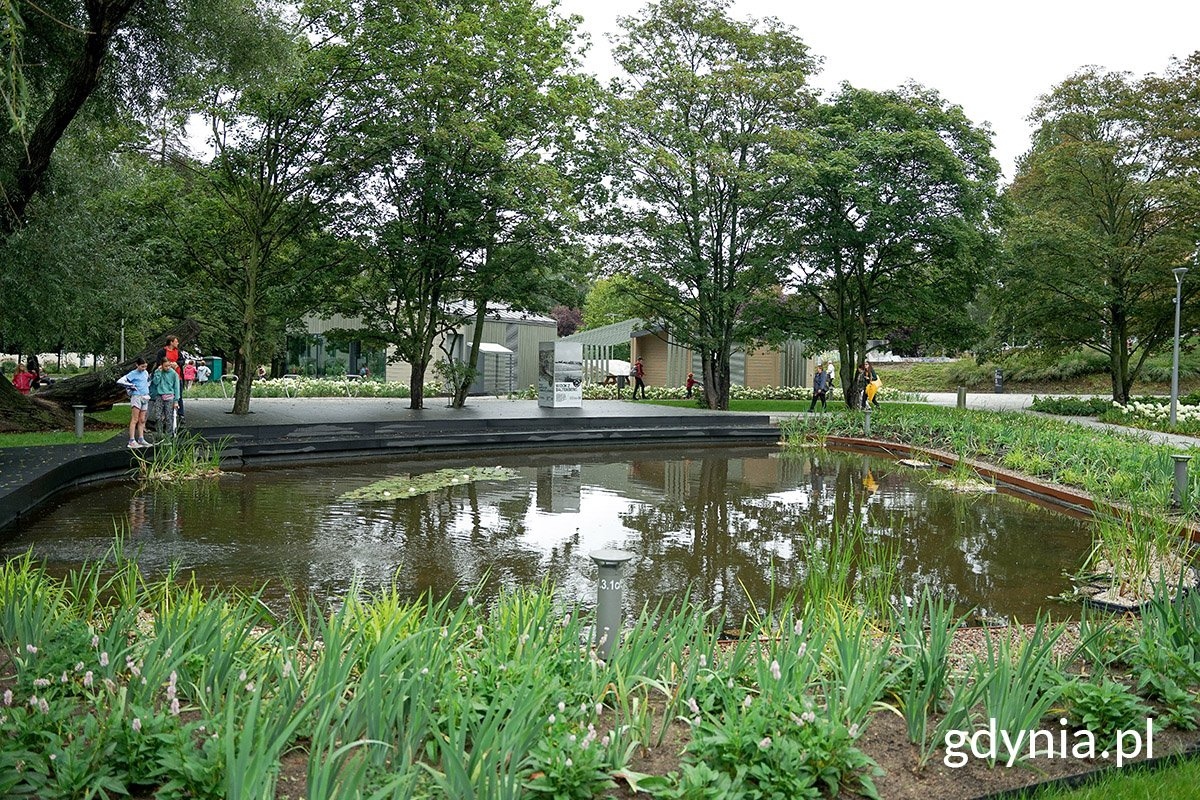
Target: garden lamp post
(1179,273)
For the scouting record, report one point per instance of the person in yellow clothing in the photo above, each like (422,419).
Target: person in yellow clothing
(873,383)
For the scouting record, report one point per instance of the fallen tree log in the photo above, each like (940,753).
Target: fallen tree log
(98,390)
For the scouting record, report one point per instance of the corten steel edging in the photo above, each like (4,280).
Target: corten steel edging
(1059,495)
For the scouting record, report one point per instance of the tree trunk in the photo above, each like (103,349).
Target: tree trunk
(468,375)
(241,395)
(716,380)
(1118,358)
(104,20)
(20,413)
(416,384)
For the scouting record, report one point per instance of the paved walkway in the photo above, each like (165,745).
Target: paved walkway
(215,412)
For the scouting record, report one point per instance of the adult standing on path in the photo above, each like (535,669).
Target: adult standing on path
(820,388)
(639,378)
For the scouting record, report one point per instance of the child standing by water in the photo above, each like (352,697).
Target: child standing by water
(164,390)
(137,384)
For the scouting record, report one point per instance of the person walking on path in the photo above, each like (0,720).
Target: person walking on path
(820,389)
(189,374)
(164,391)
(639,378)
(171,353)
(691,384)
(203,373)
(873,385)
(137,385)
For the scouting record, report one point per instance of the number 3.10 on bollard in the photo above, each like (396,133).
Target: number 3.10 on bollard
(610,590)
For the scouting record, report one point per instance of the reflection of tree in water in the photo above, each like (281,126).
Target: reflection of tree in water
(445,542)
(721,526)
(727,542)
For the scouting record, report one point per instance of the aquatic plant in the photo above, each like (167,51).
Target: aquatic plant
(401,486)
(185,456)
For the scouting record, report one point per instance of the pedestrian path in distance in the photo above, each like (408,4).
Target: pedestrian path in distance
(981,401)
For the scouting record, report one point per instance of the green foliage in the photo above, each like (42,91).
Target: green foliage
(1071,406)
(691,191)
(780,749)
(926,630)
(1104,707)
(403,486)
(1090,257)
(1022,687)
(1111,466)
(187,455)
(894,195)
(465,130)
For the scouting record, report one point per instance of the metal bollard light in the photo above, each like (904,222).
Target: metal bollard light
(867,420)
(1181,480)
(962,397)
(610,588)
(79,420)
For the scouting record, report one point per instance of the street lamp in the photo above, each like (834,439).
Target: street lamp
(1179,273)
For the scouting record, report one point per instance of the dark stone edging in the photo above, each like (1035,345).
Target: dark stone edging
(93,467)
(1082,779)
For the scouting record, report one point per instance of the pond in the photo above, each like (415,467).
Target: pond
(726,525)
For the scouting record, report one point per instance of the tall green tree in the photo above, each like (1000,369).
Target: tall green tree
(98,69)
(468,110)
(1106,204)
(892,224)
(258,220)
(695,199)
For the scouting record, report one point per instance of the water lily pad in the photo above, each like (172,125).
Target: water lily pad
(965,485)
(401,486)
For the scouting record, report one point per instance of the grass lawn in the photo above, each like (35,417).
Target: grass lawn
(117,416)
(1177,780)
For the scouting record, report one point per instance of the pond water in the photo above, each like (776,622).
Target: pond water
(721,524)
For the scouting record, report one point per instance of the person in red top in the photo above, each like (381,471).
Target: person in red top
(639,378)
(23,379)
(691,383)
(171,354)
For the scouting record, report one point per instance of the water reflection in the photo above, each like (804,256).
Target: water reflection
(722,525)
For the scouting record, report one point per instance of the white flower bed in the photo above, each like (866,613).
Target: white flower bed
(1159,413)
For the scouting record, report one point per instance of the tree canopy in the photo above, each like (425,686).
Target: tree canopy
(1106,204)
(695,191)
(893,214)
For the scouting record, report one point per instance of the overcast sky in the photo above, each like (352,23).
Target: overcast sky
(992,58)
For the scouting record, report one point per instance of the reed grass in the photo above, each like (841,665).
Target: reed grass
(187,455)
(203,694)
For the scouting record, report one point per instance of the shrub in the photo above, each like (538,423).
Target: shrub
(1071,406)
(1104,708)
